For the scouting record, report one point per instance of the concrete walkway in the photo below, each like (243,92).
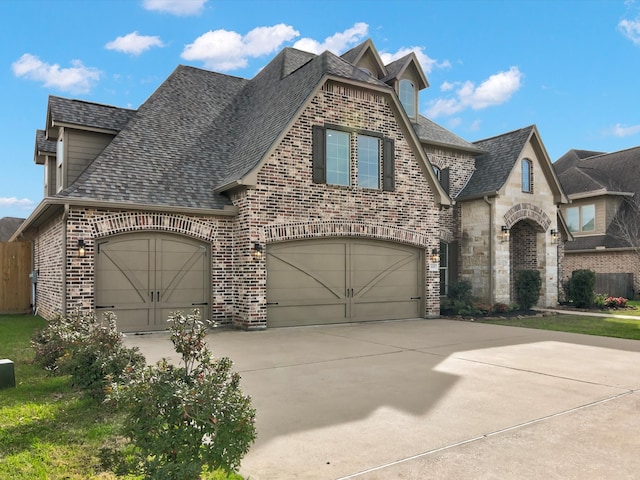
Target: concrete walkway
(588,314)
(433,399)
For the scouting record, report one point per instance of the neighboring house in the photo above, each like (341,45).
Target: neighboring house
(313,193)
(8,226)
(604,214)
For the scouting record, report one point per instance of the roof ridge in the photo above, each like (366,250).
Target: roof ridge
(529,127)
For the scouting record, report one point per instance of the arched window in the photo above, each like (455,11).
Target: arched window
(407,97)
(527,176)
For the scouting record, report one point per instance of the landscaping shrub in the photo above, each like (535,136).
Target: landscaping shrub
(615,302)
(581,287)
(600,300)
(528,283)
(89,350)
(458,300)
(181,420)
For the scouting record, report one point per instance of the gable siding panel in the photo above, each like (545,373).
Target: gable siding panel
(82,149)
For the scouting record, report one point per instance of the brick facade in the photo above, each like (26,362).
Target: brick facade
(604,262)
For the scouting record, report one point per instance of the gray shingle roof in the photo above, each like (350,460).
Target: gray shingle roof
(8,226)
(430,132)
(79,112)
(571,159)
(201,131)
(612,172)
(44,145)
(493,167)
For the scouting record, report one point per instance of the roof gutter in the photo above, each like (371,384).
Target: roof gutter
(48,203)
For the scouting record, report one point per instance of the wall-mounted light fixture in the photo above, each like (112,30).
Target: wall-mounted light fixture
(257,251)
(504,233)
(435,255)
(81,251)
(554,235)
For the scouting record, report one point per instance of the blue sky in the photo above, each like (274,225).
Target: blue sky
(572,67)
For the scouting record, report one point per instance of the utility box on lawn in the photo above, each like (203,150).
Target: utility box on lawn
(7,374)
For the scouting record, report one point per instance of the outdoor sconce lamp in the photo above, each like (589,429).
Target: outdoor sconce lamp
(554,235)
(257,251)
(81,250)
(504,233)
(435,255)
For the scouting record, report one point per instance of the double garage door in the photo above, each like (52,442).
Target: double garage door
(314,282)
(142,278)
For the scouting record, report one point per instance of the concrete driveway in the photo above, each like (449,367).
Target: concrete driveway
(433,399)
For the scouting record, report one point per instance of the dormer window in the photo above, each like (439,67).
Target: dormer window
(59,162)
(408,97)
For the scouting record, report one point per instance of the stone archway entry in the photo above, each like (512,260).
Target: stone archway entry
(143,277)
(523,251)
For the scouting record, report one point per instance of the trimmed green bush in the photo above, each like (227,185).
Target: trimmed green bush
(184,420)
(528,283)
(86,348)
(581,286)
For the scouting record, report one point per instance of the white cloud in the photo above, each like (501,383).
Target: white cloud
(447,86)
(619,130)
(134,43)
(495,90)
(337,43)
(176,7)
(631,30)
(75,79)
(22,203)
(225,50)
(427,63)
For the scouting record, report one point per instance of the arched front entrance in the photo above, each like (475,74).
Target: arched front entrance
(143,277)
(523,250)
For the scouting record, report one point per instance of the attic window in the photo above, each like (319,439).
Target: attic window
(527,176)
(408,97)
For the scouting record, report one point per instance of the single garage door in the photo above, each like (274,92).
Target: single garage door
(142,278)
(315,282)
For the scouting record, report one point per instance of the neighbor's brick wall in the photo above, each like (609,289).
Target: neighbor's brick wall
(49,262)
(285,194)
(604,262)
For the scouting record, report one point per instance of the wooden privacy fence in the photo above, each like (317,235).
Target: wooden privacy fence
(615,284)
(15,284)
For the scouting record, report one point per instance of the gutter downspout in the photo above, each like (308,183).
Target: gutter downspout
(65,216)
(491,252)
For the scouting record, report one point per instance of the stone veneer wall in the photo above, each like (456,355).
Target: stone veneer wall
(604,262)
(287,202)
(48,255)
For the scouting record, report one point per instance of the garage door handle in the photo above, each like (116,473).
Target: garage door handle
(201,303)
(416,298)
(105,306)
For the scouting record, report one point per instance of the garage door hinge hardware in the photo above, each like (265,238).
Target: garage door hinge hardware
(201,303)
(272,303)
(416,298)
(105,306)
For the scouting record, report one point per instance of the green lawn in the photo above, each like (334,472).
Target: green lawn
(603,326)
(47,430)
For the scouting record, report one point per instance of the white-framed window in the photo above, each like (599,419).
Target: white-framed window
(338,160)
(581,219)
(59,162)
(527,176)
(368,161)
(437,172)
(407,96)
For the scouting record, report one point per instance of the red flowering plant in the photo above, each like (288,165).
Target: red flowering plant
(615,302)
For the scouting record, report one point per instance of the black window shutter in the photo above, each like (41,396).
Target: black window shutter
(453,262)
(319,159)
(444,179)
(388,166)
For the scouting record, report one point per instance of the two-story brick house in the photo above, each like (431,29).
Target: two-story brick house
(313,193)
(603,216)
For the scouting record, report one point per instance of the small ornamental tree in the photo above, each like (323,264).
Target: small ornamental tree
(528,283)
(187,419)
(581,287)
